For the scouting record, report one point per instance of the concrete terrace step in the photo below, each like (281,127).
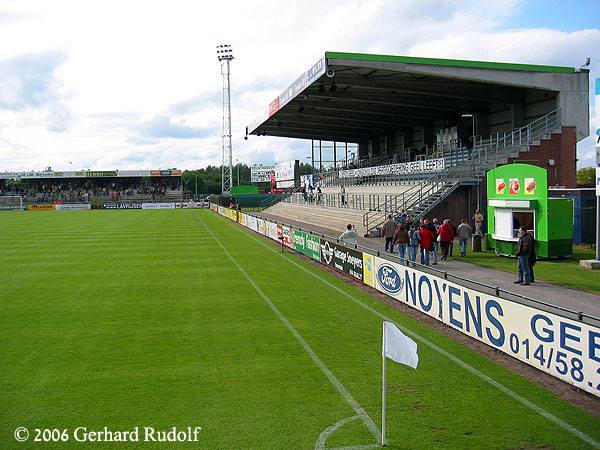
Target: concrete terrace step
(334,219)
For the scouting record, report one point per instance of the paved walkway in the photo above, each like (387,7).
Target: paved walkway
(543,291)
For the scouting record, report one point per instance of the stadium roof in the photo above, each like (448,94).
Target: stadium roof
(355,96)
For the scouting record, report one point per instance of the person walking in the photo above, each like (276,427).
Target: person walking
(401,239)
(349,236)
(426,239)
(446,237)
(524,248)
(388,230)
(413,244)
(478,220)
(343,194)
(463,233)
(431,226)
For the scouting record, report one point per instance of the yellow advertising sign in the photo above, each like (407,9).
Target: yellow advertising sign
(40,207)
(368,269)
(232,214)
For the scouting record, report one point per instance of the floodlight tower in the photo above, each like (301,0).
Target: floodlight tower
(224,55)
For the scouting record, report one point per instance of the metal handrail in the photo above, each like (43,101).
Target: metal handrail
(497,291)
(490,152)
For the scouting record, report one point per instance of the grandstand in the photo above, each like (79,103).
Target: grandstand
(90,187)
(427,130)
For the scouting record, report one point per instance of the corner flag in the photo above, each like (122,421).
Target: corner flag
(398,348)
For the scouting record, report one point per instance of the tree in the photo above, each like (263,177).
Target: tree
(585,176)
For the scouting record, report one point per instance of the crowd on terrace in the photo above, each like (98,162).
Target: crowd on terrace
(84,190)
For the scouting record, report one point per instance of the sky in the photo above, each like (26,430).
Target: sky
(136,84)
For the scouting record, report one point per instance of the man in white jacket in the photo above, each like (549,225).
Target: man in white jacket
(349,236)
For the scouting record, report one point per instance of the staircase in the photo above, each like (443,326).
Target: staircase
(427,194)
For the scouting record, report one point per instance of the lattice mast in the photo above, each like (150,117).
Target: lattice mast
(224,55)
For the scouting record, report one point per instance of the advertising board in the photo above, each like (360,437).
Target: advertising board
(114,205)
(158,205)
(260,173)
(342,258)
(565,348)
(40,207)
(73,206)
(307,244)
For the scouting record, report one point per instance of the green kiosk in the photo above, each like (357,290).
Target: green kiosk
(518,195)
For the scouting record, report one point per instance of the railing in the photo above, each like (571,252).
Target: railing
(521,137)
(271,200)
(362,202)
(473,168)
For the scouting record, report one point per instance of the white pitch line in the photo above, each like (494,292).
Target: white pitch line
(551,417)
(332,378)
(320,444)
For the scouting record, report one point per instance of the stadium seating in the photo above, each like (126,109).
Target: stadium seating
(415,193)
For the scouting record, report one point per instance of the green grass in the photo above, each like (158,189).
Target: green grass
(565,272)
(138,318)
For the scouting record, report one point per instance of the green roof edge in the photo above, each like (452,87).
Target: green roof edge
(449,62)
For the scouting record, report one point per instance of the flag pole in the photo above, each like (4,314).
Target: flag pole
(383,388)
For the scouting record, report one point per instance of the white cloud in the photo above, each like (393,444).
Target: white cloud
(131,79)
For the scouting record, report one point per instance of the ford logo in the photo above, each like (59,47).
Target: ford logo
(389,279)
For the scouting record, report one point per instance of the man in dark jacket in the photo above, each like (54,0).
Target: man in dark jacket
(388,230)
(524,249)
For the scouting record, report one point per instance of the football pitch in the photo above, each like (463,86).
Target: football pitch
(162,319)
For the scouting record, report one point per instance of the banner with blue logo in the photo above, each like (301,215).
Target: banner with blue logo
(565,348)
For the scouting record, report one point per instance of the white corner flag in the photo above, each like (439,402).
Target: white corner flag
(398,348)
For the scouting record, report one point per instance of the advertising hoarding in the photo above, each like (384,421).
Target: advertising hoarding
(565,348)
(342,258)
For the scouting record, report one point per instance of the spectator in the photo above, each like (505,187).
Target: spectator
(446,236)
(401,239)
(349,236)
(343,192)
(478,220)
(388,230)
(532,259)
(523,250)
(454,230)
(413,240)
(319,194)
(463,234)
(426,239)
(434,229)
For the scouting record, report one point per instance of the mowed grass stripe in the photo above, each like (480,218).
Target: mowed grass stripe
(159,346)
(465,389)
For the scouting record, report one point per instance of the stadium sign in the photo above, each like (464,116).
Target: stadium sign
(73,206)
(342,258)
(389,279)
(41,207)
(122,206)
(429,165)
(565,348)
(260,173)
(158,205)
(307,244)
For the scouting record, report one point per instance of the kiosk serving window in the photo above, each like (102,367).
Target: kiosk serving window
(504,223)
(509,220)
